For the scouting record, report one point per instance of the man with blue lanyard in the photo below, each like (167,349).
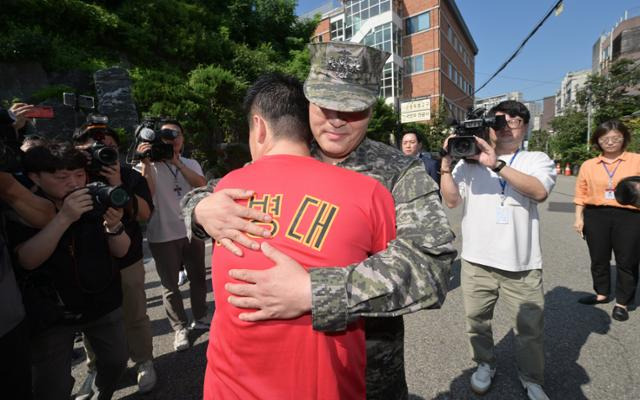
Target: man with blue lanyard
(500,189)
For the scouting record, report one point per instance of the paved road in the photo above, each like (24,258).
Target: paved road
(588,355)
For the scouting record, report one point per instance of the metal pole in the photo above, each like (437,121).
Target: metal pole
(588,122)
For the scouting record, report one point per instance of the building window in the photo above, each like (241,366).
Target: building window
(358,11)
(337,30)
(379,37)
(417,23)
(413,65)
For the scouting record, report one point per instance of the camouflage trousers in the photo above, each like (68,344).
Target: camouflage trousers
(385,359)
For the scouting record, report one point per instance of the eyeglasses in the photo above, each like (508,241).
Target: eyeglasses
(515,123)
(614,140)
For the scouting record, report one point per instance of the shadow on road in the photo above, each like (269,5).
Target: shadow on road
(568,325)
(180,375)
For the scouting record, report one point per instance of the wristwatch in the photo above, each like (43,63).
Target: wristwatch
(117,230)
(499,165)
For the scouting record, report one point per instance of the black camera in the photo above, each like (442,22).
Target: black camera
(149,132)
(464,143)
(101,155)
(105,196)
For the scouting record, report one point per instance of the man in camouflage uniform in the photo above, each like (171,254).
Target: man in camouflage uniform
(411,275)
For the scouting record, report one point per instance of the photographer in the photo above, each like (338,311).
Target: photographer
(170,177)
(500,188)
(68,274)
(101,143)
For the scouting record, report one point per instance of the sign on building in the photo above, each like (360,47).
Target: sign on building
(415,110)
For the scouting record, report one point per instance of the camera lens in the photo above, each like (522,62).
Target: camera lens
(107,156)
(118,197)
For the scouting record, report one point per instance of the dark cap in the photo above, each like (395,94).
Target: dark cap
(344,76)
(94,131)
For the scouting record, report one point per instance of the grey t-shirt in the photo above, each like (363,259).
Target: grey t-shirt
(166,222)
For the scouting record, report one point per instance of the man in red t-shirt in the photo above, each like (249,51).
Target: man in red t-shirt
(321,215)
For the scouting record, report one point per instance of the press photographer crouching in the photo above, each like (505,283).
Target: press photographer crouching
(100,143)
(69,276)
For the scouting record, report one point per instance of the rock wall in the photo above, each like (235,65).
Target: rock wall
(115,100)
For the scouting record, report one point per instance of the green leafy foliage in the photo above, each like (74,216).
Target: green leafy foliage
(382,123)
(611,96)
(188,59)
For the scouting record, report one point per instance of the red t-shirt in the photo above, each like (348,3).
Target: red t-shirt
(323,216)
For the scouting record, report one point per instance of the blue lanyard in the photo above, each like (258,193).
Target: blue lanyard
(611,174)
(503,183)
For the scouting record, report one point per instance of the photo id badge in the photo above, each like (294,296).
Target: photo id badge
(609,194)
(502,215)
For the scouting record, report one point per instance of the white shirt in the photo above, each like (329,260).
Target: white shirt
(166,222)
(510,246)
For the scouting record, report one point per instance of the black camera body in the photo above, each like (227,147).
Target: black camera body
(101,155)
(464,144)
(105,196)
(149,132)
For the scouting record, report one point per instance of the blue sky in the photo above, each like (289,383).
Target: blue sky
(561,45)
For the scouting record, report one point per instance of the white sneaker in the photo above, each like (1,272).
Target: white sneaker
(182,277)
(203,323)
(481,379)
(146,376)
(534,391)
(181,341)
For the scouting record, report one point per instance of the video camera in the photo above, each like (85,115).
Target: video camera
(149,131)
(464,143)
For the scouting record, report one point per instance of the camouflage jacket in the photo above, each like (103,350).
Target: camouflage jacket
(410,275)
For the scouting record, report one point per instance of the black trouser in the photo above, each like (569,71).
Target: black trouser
(15,362)
(617,229)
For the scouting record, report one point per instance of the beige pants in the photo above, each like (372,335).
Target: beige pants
(137,325)
(169,257)
(523,295)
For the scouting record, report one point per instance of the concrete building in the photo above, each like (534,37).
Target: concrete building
(548,112)
(489,102)
(433,52)
(623,41)
(567,94)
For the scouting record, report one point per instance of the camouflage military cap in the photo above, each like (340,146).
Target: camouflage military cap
(344,76)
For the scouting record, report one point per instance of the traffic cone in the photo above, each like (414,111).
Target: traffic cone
(567,170)
(558,170)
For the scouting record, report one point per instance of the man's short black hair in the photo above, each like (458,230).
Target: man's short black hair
(53,156)
(170,121)
(512,108)
(416,134)
(280,100)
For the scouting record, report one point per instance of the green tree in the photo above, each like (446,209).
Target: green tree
(614,94)
(382,123)
(569,141)
(539,141)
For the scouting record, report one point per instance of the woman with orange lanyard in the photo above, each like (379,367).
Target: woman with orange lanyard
(605,223)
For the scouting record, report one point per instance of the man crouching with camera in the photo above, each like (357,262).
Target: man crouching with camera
(500,187)
(101,142)
(70,280)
